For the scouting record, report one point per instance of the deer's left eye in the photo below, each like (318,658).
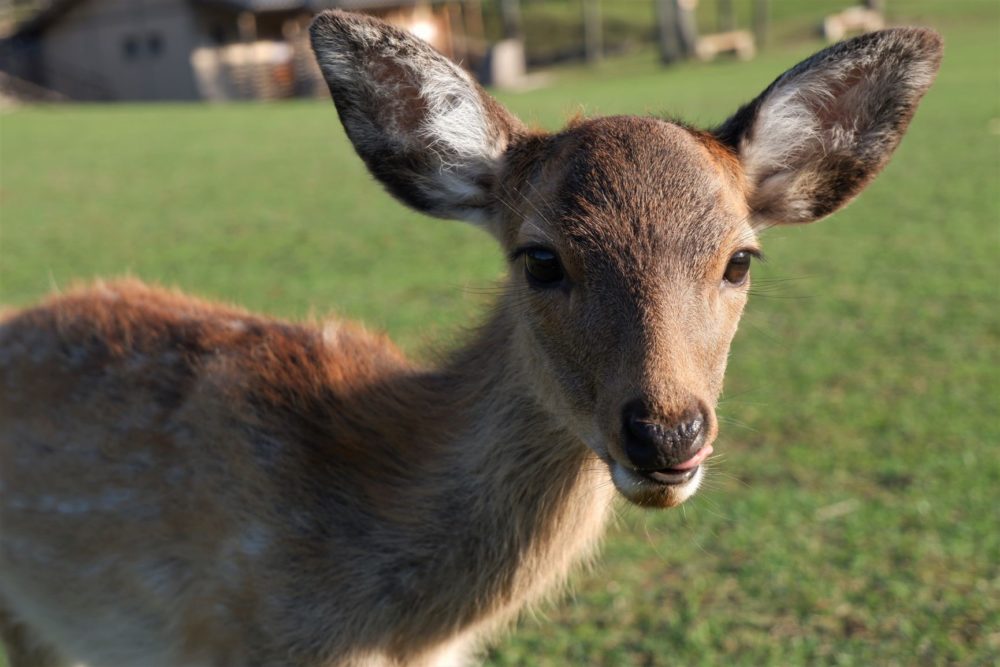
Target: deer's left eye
(543,267)
(738,268)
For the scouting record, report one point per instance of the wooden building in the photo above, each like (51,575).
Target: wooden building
(106,50)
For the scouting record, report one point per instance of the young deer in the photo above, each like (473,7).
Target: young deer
(189,484)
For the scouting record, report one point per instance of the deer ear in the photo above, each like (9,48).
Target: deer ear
(425,129)
(822,131)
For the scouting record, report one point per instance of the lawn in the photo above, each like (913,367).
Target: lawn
(853,517)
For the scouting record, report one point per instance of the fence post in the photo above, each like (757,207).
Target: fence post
(676,29)
(592,38)
(687,25)
(761,19)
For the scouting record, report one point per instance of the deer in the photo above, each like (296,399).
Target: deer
(187,483)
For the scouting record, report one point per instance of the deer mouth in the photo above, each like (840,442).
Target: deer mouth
(663,488)
(669,475)
(680,473)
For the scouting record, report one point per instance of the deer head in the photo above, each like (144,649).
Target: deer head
(630,239)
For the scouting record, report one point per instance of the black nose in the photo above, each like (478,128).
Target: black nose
(652,444)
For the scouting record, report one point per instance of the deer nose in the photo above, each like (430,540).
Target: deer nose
(653,444)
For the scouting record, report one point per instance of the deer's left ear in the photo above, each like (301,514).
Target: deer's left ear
(819,134)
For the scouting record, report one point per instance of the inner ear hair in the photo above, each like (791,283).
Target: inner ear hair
(423,126)
(824,129)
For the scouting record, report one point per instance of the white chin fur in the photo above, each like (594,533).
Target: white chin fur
(640,490)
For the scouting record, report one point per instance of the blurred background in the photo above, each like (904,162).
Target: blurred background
(851,518)
(121,50)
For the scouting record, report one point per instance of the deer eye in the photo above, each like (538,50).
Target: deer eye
(542,267)
(738,268)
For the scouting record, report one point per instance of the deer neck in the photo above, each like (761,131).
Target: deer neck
(520,498)
(511,440)
(483,498)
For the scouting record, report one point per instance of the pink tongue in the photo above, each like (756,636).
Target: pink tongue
(695,460)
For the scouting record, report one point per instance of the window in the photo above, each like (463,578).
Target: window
(154,44)
(130,47)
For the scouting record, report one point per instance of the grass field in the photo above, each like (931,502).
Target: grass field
(853,519)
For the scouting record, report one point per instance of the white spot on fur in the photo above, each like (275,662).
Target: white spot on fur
(631,485)
(254,540)
(458,653)
(331,334)
(234,324)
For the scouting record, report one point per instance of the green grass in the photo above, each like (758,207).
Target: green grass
(853,518)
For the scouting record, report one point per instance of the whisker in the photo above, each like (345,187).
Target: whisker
(545,201)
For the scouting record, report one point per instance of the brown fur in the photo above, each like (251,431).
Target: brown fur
(185,483)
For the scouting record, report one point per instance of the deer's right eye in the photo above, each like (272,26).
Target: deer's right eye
(542,267)
(738,268)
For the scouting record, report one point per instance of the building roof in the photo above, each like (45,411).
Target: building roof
(45,17)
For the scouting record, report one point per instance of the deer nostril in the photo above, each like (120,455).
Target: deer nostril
(651,444)
(690,429)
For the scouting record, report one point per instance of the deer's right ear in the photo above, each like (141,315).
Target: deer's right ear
(425,129)
(818,135)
